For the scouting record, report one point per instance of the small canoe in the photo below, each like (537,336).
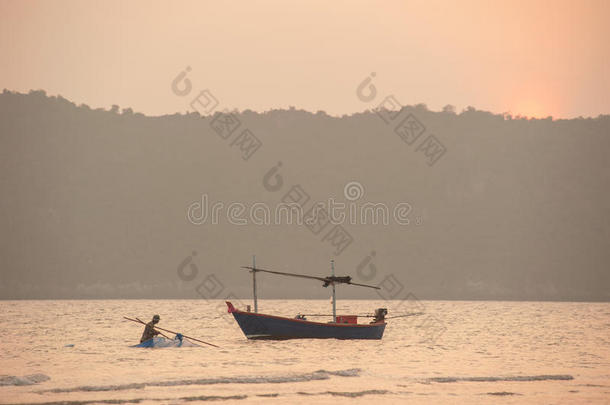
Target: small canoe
(163,342)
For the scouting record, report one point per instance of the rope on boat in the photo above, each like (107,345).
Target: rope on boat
(371,316)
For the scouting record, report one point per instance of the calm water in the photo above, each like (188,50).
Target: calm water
(456,352)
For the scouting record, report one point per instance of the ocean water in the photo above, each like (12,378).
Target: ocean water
(78,352)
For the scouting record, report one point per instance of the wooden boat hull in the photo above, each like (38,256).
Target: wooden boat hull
(261,326)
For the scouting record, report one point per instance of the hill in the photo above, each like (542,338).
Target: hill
(94,202)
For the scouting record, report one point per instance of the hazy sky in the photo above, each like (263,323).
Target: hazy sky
(534,58)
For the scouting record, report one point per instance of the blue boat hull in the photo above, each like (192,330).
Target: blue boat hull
(163,342)
(260,326)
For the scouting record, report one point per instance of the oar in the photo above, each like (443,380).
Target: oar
(188,337)
(175,333)
(161,333)
(138,320)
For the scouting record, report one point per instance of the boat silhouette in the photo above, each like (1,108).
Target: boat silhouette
(263,326)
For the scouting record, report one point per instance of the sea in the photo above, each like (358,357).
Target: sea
(433,352)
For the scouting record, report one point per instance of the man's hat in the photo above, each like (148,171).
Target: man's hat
(157,317)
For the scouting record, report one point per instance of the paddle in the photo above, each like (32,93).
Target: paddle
(175,333)
(144,323)
(138,320)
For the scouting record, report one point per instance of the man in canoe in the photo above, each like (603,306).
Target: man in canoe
(149,330)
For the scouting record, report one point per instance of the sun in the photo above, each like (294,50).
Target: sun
(533,100)
(531,108)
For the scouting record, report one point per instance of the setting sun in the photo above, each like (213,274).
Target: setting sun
(530,108)
(533,101)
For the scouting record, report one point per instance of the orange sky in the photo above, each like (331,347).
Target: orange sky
(534,58)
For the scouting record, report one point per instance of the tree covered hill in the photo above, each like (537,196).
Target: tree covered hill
(95,202)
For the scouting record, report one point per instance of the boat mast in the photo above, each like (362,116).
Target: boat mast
(332,269)
(330,280)
(254,283)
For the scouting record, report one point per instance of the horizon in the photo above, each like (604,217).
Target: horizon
(129,110)
(301,299)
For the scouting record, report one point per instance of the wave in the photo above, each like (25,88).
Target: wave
(25,380)
(198,398)
(494,379)
(348,394)
(210,398)
(290,378)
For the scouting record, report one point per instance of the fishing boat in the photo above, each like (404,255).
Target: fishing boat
(157,341)
(263,326)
